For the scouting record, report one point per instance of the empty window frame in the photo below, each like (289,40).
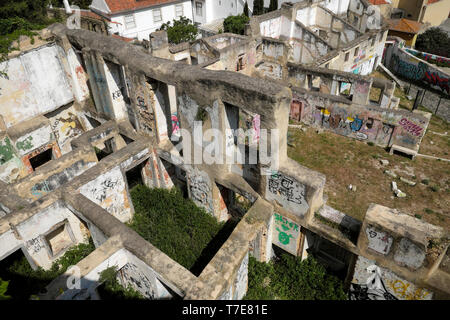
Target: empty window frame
(157,16)
(347,56)
(41,158)
(179,10)
(59,238)
(356,51)
(130,22)
(199,8)
(240,63)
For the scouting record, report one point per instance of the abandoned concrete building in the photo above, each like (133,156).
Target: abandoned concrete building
(83,91)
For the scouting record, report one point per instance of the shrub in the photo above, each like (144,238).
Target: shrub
(425,181)
(182,30)
(429,211)
(289,278)
(418,216)
(111,289)
(235,24)
(173,224)
(3,289)
(434,41)
(434,188)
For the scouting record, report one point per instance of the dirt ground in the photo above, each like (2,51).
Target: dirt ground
(346,162)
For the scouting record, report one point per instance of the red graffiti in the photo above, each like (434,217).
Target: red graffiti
(410,127)
(435,80)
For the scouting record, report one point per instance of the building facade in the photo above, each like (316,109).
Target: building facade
(137,19)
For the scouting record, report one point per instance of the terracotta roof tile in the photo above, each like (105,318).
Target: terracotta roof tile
(117,6)
(378,2)
(404,25)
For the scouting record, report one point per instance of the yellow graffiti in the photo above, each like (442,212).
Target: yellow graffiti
(350,119)
(66,126)
(401,289)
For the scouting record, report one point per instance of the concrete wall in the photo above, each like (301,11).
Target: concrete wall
(31,234)
(36,84)
(412,68)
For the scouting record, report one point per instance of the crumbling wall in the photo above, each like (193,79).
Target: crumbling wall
(30,233)
(36,84)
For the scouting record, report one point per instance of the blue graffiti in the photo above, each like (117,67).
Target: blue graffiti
(356,124)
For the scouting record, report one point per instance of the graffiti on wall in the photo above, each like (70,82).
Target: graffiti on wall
(379,241)
(251,125)
(371,282)
(175,123)
(130,275)
(35,245)
(420,72)
(66,126)
(200,189)
(6,151)
(109,191)
(288,193)
(240,284)
(286,233)
(410,127)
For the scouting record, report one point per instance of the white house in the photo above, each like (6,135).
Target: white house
(207,11)
(139,18)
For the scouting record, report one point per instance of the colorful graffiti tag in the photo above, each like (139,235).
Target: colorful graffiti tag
(410,127)
(287,233)
(175,123)
(420,72)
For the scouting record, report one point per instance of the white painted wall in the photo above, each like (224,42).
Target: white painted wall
(32,231)
(144,21)
(36,84)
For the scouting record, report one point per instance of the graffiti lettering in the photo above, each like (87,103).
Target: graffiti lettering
(435,80)
(287,187)
(410,127)
(117,94)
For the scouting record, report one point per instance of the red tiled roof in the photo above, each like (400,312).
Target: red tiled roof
(404,25)
(117,6)
(90,14)
(432,1)
(378,2)
(122,38)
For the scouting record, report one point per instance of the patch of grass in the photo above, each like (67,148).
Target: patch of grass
(370,143)
(173,224)
(111,289)
(426,181)
(429,211)
(289,278)
(418,216)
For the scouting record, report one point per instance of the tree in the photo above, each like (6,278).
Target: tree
(235,24)
(434,41)
(182,30)
(246,9)
(273,5)
(258,7)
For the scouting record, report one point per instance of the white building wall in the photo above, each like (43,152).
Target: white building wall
(144,20)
